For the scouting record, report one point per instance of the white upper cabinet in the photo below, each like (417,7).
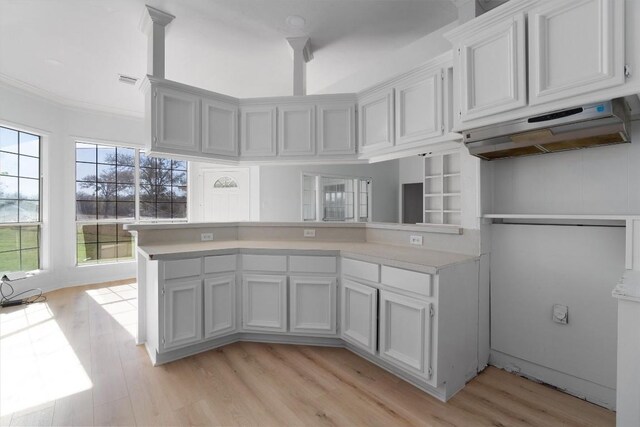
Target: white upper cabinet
(376,121)
(264,303)
(177,120)
(575,47)
(336,128)
(296,130)
(491,64)
(258,131)
(313,305)
(219,306)
(418,108)
(219,128)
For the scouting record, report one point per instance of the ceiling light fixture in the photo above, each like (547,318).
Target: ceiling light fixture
(127,79)
(296,22)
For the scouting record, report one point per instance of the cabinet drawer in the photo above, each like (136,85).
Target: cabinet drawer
(219,263)
(361,269)
(412,281)
(312,264)
(264,262)
(182,268)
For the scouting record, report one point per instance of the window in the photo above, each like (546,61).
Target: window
(331,198)
(225,182)
(107,197)
(19,200)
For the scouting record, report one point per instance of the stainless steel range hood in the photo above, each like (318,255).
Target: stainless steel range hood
(593,125)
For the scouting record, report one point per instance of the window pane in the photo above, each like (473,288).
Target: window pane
(178,177)
(30,237)
(164,210)
(126,156)
(29,259)
(29,189)
(106,155)
(86,172)
(85,152)
(86,210)
(125,192)
(147,193)
(8,187)
(107,192)
(29,144)
(179,210)
(125,250)
(126,210)
(179,194)
(8,164)
(19,248)
(179,165)
(163,193)
(126,174)
(10,261)
(85,191)
(124,235)
(147,210)
(146,161)
(163,177)
(8,210)
(147,176)
(107,251)
(28,211)
(29,167)
(106,173)
(9,239)
(8,140)
(107,232)
(106,210)
(87,253)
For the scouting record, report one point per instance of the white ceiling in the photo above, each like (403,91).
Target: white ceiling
(74,49)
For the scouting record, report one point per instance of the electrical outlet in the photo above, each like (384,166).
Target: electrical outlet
(309,233)
(560,314)
(415,240)
(206,237)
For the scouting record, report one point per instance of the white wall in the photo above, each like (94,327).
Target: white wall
(280,189)
(60,127)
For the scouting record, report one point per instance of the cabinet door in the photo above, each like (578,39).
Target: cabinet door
(313,305)
(359,315)
(182,313)
(419,108)
(258,131)
(405,332)
(336,129)
(575,47)
(264,303)
(219,306)
(376,121)
(177,120)
(492,67)
(296,130)
(219,128)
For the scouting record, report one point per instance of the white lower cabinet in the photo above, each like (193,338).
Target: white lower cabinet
(313,305)
(182,313)
(359,315)
(264,303)
(405,333)
(219,306)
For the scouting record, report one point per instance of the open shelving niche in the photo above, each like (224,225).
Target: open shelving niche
(442,189)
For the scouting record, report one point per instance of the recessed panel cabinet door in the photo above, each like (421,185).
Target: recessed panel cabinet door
(492,65)
(359,315)
(575,47)
(219,128)
(313,305)
(177,120)
(405,332)
(296,130)
(376,121)
(182,313)
(336,129)
(219,306)
(258,131)
(419,108)
(264,303)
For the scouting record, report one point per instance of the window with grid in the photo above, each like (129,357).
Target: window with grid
(118,185)
(330,198)
(19,200)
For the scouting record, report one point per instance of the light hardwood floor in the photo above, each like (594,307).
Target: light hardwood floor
(73,361)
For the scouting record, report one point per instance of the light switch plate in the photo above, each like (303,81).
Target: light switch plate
(206,237)
(309,233)
(415,240)
(560,314)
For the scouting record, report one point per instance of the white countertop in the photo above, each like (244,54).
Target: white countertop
(629,286)
(425,260)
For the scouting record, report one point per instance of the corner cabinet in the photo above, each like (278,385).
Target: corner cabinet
(492,69)
(376,121)
(575,47)
(176,120)
(264,303)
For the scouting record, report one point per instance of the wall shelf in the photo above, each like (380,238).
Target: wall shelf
(442,189)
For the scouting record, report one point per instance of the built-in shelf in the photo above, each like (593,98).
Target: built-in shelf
(442,189)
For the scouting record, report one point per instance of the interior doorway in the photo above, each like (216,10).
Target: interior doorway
(226,195)
(412,195)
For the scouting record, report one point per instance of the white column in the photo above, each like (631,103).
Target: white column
(153,25)
(301,55)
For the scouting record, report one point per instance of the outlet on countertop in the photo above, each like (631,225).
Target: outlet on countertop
(415,240)
(309,233)
(206,237)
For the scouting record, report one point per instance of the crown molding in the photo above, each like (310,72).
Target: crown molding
(156,16)
(65,102)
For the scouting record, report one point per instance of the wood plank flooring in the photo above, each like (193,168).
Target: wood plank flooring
(73,361)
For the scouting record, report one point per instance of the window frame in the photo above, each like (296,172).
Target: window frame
(319,197)
(119,221)
(42,198)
